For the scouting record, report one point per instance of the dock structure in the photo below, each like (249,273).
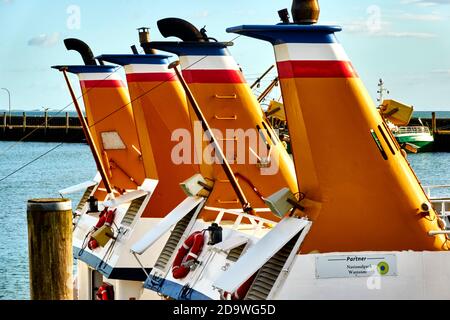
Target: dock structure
(67,128)
(441,132)
(42,128)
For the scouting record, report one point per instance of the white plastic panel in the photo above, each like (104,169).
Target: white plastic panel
(77,188)
(260,253)
(112,141)
(231,243)
(164,226)
(126,198)
(149,185)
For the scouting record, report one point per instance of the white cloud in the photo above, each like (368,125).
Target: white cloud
(442,72)
(426,3)
(417,35)
(44,40)
(361,27)
(422,17)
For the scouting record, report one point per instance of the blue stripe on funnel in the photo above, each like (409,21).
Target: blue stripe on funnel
(284,33)
(192,48)
(87,69)
(127,59)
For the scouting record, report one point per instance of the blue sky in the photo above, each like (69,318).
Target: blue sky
(406,42)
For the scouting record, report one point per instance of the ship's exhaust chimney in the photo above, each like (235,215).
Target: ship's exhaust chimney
(305,11)
(284,16)
(144,37)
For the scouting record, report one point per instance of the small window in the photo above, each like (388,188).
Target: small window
(394,141)
(378,143)
(261,133)
(386,140)
(112,141)
(272,135)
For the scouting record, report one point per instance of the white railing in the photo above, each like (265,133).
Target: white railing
(257,222)
(441,206)
(430,189)
(412,130)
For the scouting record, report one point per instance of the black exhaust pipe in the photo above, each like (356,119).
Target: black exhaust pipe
(182,29)
(83,49)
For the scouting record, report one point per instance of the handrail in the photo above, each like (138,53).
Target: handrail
(256,221)
(416,129)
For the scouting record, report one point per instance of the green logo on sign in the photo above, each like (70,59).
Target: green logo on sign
(383,268)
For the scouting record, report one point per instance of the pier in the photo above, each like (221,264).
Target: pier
(67,128)
(441,132)
(41,128)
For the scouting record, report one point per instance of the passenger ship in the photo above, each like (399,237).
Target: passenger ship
(346,220)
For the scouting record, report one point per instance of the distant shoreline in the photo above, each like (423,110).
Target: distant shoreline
(34,113)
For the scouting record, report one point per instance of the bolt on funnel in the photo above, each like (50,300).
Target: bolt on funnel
(305,11)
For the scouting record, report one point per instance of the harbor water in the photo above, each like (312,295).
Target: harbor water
(71,164)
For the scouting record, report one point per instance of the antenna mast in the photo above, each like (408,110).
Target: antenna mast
(381,91)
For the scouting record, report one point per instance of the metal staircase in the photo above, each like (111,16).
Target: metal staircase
(132,211)
(85,198)
(236,253)
(173,241)
(269,273)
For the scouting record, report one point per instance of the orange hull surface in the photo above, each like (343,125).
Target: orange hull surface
(232,111)
(160,110)
(344,154)
(111,121)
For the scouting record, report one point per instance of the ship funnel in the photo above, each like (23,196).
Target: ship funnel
(83,49)
(144,38)
(144,35)
(305,11)
(182,29)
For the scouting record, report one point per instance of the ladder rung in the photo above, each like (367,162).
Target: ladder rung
(226,118)
(234,96)
(228,201)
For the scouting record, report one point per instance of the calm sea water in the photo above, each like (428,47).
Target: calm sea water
(66,166)
(72,164)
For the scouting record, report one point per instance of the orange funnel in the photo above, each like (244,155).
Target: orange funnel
(111,121)
(236,118)
(160,109)
(345,156)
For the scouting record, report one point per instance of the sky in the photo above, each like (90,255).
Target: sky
(405,42)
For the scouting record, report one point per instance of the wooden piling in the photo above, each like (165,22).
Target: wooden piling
(50,249)
(24,122)
(433,122)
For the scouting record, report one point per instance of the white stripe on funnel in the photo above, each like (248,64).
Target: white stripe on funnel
(310,52)
(99,76)
(147,68)
(208,63)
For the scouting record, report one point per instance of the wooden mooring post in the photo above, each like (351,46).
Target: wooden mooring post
(50,249)
(433,123)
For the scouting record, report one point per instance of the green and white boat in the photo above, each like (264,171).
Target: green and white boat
(397,116)
(419,136)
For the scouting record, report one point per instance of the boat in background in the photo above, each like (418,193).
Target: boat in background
(362,227)
(398,116)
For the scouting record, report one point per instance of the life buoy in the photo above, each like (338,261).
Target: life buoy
(106,218)
(241,292)
(105,292)
(189,251)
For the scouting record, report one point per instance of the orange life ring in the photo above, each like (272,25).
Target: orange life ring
(190,250)
(105,292)
(106,218)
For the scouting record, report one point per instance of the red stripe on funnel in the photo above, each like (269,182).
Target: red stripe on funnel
(213,76)
(102,84)
(316,69)
(151,77)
